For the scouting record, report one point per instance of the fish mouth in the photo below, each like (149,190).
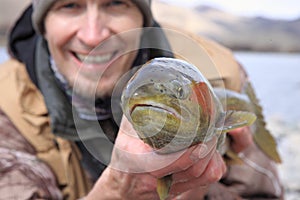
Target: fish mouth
(159,108)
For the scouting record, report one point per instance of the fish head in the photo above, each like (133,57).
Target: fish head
(170,105)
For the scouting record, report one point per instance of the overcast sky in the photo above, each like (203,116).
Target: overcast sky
(282,9)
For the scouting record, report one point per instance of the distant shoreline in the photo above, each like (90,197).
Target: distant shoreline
(238,33)
(3,43)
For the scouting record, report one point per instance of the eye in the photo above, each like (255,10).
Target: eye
(178,89)
(70,6)
(180,93)
(116,3)
(66,6)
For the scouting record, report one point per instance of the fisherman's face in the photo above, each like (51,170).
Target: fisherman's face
(75,27)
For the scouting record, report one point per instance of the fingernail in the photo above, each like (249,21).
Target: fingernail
(199,152)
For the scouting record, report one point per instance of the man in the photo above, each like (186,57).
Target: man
(49,82)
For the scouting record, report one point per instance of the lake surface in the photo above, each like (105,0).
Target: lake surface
(276,78)
(3,54)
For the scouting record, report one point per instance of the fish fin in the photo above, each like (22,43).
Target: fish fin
(232,100)
(232,158)
(262,137)
(236,119)
(163,186)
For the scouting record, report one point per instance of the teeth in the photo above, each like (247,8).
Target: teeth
(95,59)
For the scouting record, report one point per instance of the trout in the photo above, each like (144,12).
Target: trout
(172,106)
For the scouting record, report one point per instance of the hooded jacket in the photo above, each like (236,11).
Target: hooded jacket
(45,130)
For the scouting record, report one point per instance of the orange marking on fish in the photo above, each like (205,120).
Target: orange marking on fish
(201,95)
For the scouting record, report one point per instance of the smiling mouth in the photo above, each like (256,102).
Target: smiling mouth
(95,59)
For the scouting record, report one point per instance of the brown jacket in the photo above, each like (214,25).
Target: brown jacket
(27,144)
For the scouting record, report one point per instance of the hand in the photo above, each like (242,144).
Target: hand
(259,173)
(135,167)
(194,182)
(241,139)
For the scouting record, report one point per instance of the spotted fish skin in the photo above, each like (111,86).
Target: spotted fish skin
(172,106)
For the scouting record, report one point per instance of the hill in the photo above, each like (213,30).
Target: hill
(9,11)
(235,32)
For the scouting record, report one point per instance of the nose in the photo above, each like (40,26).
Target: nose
(93,28)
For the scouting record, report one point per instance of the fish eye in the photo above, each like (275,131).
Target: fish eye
(180,93)
(178,89)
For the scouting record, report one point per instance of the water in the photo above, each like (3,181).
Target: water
(276,79)
(3,55)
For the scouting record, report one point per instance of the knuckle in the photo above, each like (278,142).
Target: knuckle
(214,174)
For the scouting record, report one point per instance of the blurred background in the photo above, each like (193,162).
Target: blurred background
(264,36)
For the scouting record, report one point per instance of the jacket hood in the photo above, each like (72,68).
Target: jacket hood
(22,42)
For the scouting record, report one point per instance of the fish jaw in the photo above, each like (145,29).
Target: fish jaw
(155,125)
(165,129)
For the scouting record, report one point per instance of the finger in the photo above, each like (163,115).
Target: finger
(241,138)
(188,158)
(213,173)
(125,185)
(132,155)
(127,128)
(181,163)
(194,171)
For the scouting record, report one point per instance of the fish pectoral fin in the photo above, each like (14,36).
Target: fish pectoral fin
(163,186)
(237,119)
(232,158)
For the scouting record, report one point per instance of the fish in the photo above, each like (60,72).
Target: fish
(172,106)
